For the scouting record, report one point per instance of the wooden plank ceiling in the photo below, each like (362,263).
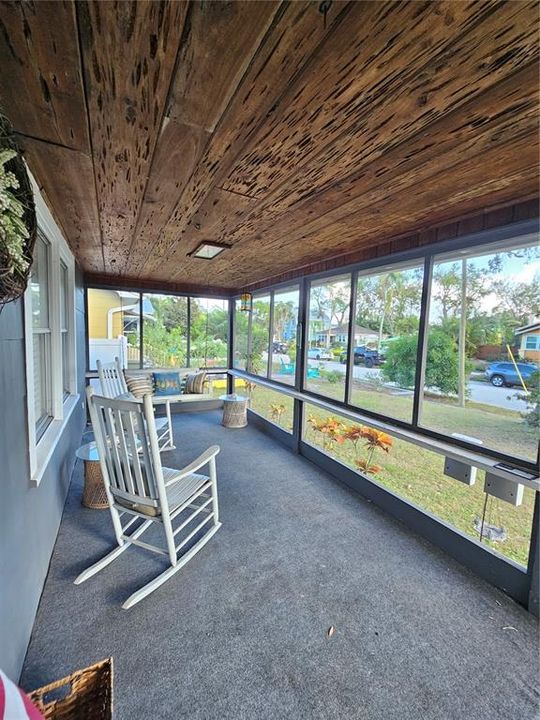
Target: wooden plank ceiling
(288,134)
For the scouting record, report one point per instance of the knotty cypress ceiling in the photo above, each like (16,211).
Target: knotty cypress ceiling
(286,134)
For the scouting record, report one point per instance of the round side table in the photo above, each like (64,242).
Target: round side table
(94,495)
(234,411)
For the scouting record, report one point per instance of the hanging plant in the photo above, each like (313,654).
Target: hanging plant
(18,225)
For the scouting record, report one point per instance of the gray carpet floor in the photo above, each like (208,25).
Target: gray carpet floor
(241,631)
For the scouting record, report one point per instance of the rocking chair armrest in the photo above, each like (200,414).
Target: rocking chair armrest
(198,463)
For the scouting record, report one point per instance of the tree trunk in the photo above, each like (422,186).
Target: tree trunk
(462,336)
(381,326)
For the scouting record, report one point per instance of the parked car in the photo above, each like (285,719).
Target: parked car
(503,374)
(365,355)
(319,354)
(280,347)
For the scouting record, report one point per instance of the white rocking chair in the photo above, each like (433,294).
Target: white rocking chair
(113,385)
(141,492)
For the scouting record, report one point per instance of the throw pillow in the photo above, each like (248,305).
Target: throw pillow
(167,383)
(195,383)
(139,385)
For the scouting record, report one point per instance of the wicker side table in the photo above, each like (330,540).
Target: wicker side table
(234,411)
(94,495)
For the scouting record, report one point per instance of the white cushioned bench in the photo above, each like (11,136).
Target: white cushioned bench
(117,382)
(180,398)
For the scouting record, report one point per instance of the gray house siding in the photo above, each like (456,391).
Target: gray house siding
(29,516)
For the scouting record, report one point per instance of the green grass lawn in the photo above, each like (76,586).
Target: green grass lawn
(488,423)
(417,474)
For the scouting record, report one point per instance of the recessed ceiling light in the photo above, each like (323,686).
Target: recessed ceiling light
(208,250)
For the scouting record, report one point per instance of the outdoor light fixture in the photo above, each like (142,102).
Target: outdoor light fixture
(245,302)
(208,250)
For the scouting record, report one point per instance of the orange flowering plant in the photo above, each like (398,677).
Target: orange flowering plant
(276,411)
(331,429)
(335,431)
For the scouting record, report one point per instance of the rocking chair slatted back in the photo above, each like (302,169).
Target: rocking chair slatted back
(138,485)
(111,377)
(127,440)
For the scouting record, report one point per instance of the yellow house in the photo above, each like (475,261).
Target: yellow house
(109,311)
(529,341)
(114,325)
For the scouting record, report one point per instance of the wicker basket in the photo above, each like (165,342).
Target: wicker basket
(94,493)
(84,695)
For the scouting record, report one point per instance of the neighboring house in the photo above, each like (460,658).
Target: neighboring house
(528,338)
(339,335)
(114,315)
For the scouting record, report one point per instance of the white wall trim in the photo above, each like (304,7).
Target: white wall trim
(39,453)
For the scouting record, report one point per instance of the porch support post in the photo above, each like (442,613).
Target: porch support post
(533,566)
(230,346)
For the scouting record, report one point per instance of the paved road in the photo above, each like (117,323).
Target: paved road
(479,391)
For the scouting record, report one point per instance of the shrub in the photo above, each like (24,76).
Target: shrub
(441,365)
(333,376)
(532,398)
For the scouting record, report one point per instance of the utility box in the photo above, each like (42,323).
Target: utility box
(507,490)
(461,471)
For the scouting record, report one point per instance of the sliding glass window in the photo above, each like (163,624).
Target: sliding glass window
(481,379)
(285,323)
(388,306)
(328,329)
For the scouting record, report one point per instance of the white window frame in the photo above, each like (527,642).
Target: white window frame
(40,451)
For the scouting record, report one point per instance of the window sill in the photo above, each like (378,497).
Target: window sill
(48,442)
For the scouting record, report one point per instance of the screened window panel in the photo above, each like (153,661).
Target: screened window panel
(241,327)
(478,299)
(209,330)
(113,327)
(328,319)
(165,331)
(285,322)
(260,335)
(388,306)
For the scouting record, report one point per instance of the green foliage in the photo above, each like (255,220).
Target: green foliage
(13,231)
(400,363)
(441,362)
(389,303)
(332,376)
(165,336)
(532,398)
